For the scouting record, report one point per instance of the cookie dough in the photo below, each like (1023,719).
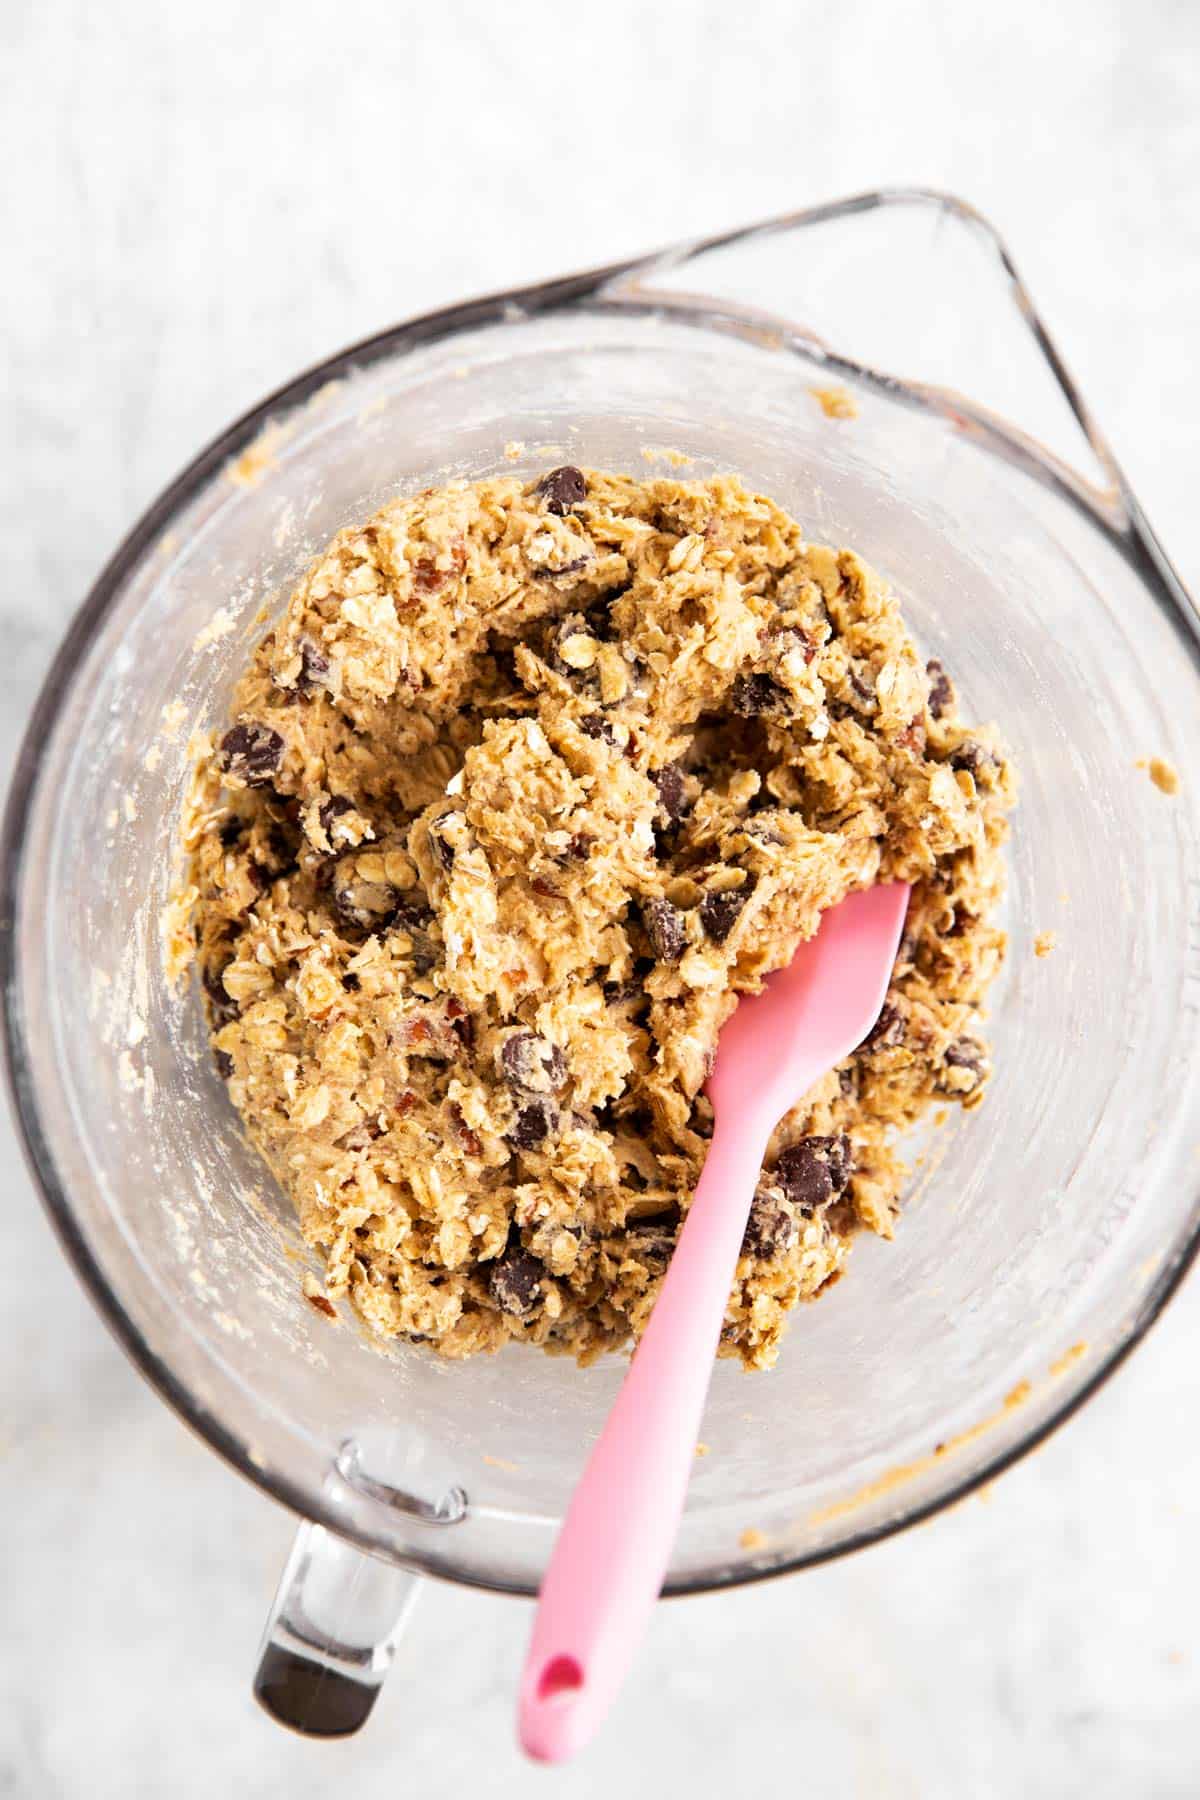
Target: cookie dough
(529,782)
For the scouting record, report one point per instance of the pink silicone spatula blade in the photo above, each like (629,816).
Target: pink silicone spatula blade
(607,1568)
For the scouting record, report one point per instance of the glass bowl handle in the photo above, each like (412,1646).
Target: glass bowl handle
(332,1634)
(915,291)
(339,1613)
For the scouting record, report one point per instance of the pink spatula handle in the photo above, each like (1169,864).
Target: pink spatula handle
(612,1552)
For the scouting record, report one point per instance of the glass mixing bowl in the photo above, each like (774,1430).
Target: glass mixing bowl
(1042,1234)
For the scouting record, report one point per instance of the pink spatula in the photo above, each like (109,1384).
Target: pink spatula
(612,1552)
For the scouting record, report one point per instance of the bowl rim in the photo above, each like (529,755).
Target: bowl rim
(1117,515)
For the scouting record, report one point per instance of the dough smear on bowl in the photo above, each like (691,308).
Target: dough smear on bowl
(529,782)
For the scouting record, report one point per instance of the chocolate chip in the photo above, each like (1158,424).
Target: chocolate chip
(424,956)
(617,993)
(665,929)
(442,849)
(314,666)
(814,1171)
(969,1055)
(672,801)
(595,725)
(231,830)
(599,616)
(573,628)
(252,753)
(223,1006)
(367,904)
(561,489)
(858,696)
(224,1064)
(862,689)
(568,568)
(763,830)
(650,1243)
(941,689)
(840,1154)
(771,1229)
(515,1281)
(753,695)
(533,1124)
(888,1029)
(336,807)
(719,912)
(533,1063)
(972,756)
(413,915)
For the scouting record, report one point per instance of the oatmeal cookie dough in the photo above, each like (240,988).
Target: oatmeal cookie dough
(530,781)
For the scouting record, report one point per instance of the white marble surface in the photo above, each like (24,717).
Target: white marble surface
(197,200)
